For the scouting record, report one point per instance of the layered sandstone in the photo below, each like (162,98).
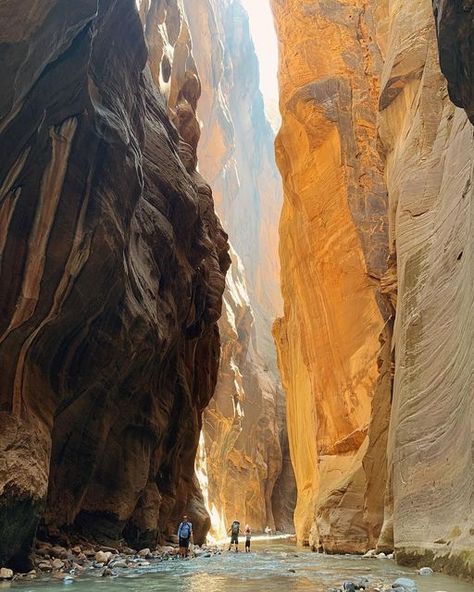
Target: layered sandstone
(418,412)
(428,146)
(112,272)
(333,248)
(244,427)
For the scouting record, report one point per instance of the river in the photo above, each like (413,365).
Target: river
(266,568)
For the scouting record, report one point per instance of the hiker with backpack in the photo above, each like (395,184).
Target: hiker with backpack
(234,535)
(185,534)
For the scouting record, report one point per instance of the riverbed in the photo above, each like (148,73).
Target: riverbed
(273,565)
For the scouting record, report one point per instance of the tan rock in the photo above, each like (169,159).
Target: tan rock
(103,556)
(6,574)
(333,248)
(429,150)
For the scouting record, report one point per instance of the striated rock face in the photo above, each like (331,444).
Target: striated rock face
(351,72)
(244,427)
(112,272)
(428,145)
(333,247)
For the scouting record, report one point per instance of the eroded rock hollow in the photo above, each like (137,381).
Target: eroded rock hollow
(112,273)
(376,243)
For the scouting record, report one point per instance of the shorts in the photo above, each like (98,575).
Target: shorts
(183,542)
(234,539)
(247,543)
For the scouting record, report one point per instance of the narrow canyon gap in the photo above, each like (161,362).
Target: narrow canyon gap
(115,269)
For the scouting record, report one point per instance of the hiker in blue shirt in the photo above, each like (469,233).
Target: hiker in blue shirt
(185,534)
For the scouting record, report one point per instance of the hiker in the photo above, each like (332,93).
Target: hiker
(185,534)
(234,535)
(268,531)
(248,536)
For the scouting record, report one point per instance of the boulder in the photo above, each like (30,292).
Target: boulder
(103,557)
(404,585)
(6,574)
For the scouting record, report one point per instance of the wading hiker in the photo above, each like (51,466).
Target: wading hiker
(234,535)
(185,534)
(248,536)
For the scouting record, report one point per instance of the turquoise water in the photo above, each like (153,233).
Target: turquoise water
(266,568)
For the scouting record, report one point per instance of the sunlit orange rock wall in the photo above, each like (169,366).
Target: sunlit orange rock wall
(333,246)
(428,145)
(111,277)
(420,430)
(244,427)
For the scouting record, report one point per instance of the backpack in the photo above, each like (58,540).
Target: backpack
(235,527)
(185,530)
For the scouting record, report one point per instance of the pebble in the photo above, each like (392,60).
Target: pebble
(425,571)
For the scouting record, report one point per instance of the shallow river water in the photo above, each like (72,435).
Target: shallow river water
(266,568)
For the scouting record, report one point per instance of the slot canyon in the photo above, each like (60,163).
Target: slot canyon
(209,309)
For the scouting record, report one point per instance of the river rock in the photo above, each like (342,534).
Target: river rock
(45,566)
(404,585)
(361,583)
(425,571)
(348,587)
(59,552)
(103,557)
(145,553)
(370,553)
(57,563)
(5,573)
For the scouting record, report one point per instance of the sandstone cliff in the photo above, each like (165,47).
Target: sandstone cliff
(112,272)
(333,246)
(428,146)
(244,426)
(416,404)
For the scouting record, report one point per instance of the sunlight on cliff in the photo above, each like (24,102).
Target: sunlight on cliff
(218,528)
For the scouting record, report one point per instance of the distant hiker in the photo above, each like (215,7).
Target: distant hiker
(234,535)
(185,534)
(248,536)
(268,531)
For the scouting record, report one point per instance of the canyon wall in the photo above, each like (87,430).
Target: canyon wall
(244,426)
(112,265)
(428,147)
(333,249)
(376,342)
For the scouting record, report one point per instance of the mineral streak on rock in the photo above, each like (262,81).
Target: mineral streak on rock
(333,249)
(428,145)
(112,267)
(244,426)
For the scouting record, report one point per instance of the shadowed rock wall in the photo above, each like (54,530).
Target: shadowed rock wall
(112,272)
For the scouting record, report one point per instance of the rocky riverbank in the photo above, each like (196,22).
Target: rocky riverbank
(68,563)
